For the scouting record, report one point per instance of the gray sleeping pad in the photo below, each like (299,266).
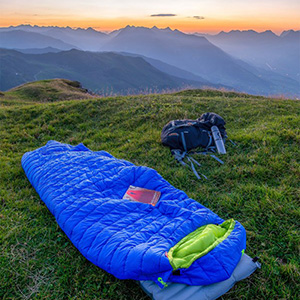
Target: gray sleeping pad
(174,291)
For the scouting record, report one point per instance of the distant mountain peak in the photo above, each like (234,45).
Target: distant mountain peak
(129,29)
(245,33)
(132,27)
(268,32)
(167,29)
(289,33)
(23,25)
(141,28)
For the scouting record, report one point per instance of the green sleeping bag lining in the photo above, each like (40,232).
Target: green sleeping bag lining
(198,243)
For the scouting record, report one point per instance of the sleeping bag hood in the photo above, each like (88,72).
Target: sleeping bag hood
(177,240)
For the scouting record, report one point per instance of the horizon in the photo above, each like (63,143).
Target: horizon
(206,17)
(160,28)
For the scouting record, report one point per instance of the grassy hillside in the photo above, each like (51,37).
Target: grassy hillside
(45,91)
(257,185)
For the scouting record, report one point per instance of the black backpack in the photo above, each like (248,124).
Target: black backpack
(182,136)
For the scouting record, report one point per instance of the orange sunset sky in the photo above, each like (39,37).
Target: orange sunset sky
(209,16)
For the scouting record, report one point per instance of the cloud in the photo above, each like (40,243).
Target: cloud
(199,17)
(163,15)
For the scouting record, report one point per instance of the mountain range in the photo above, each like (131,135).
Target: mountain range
(247,61)
(104,73)
(267,50)
(83,39)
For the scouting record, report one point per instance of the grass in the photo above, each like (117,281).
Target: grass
(257,185)
(51,90)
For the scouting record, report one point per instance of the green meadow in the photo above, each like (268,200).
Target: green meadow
(258,185)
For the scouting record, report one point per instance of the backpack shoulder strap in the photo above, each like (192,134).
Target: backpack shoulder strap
(217,159)
(180,155)
(183,141)
(191,160)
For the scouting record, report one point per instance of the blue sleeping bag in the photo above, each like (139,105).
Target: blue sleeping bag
(177,240)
